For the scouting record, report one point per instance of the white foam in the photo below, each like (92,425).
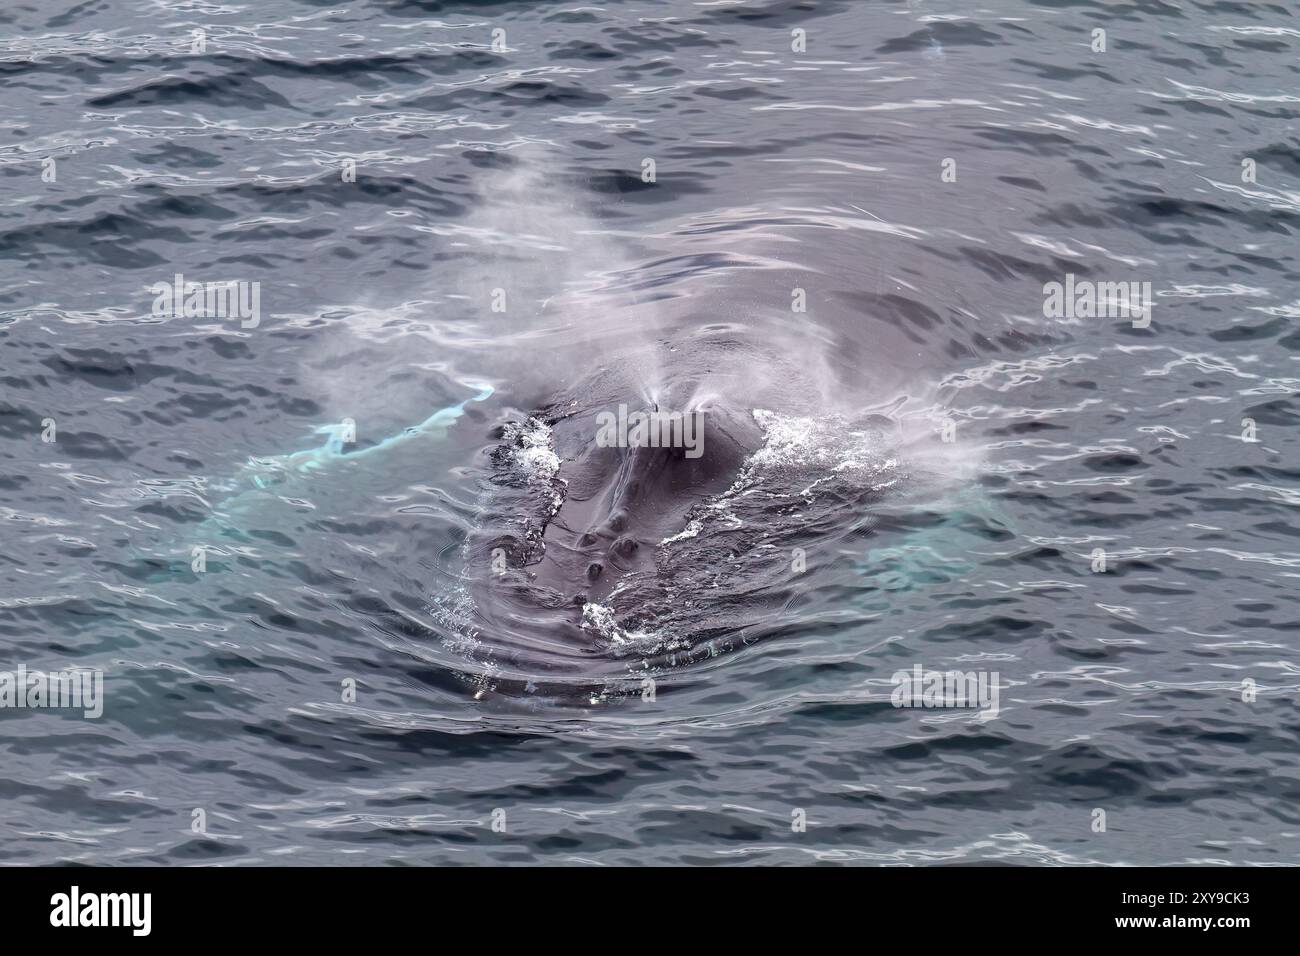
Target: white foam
(826,444)
(691,530)
(533,448)
(600,619)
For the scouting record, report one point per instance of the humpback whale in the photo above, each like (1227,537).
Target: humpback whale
(595,563)
(588,558)
(596,512)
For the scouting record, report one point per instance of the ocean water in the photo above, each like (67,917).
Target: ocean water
(258,529)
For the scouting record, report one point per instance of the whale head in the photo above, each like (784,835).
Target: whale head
(624,494)
(596,542)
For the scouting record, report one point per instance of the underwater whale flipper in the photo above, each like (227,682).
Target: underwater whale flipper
(248,489)
(263,473)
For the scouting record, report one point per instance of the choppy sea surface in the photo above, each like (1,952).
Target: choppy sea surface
(296,665)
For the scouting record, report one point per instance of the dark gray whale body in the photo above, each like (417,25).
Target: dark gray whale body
(593,565)
(620,503)
(570,527)
(591,534)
